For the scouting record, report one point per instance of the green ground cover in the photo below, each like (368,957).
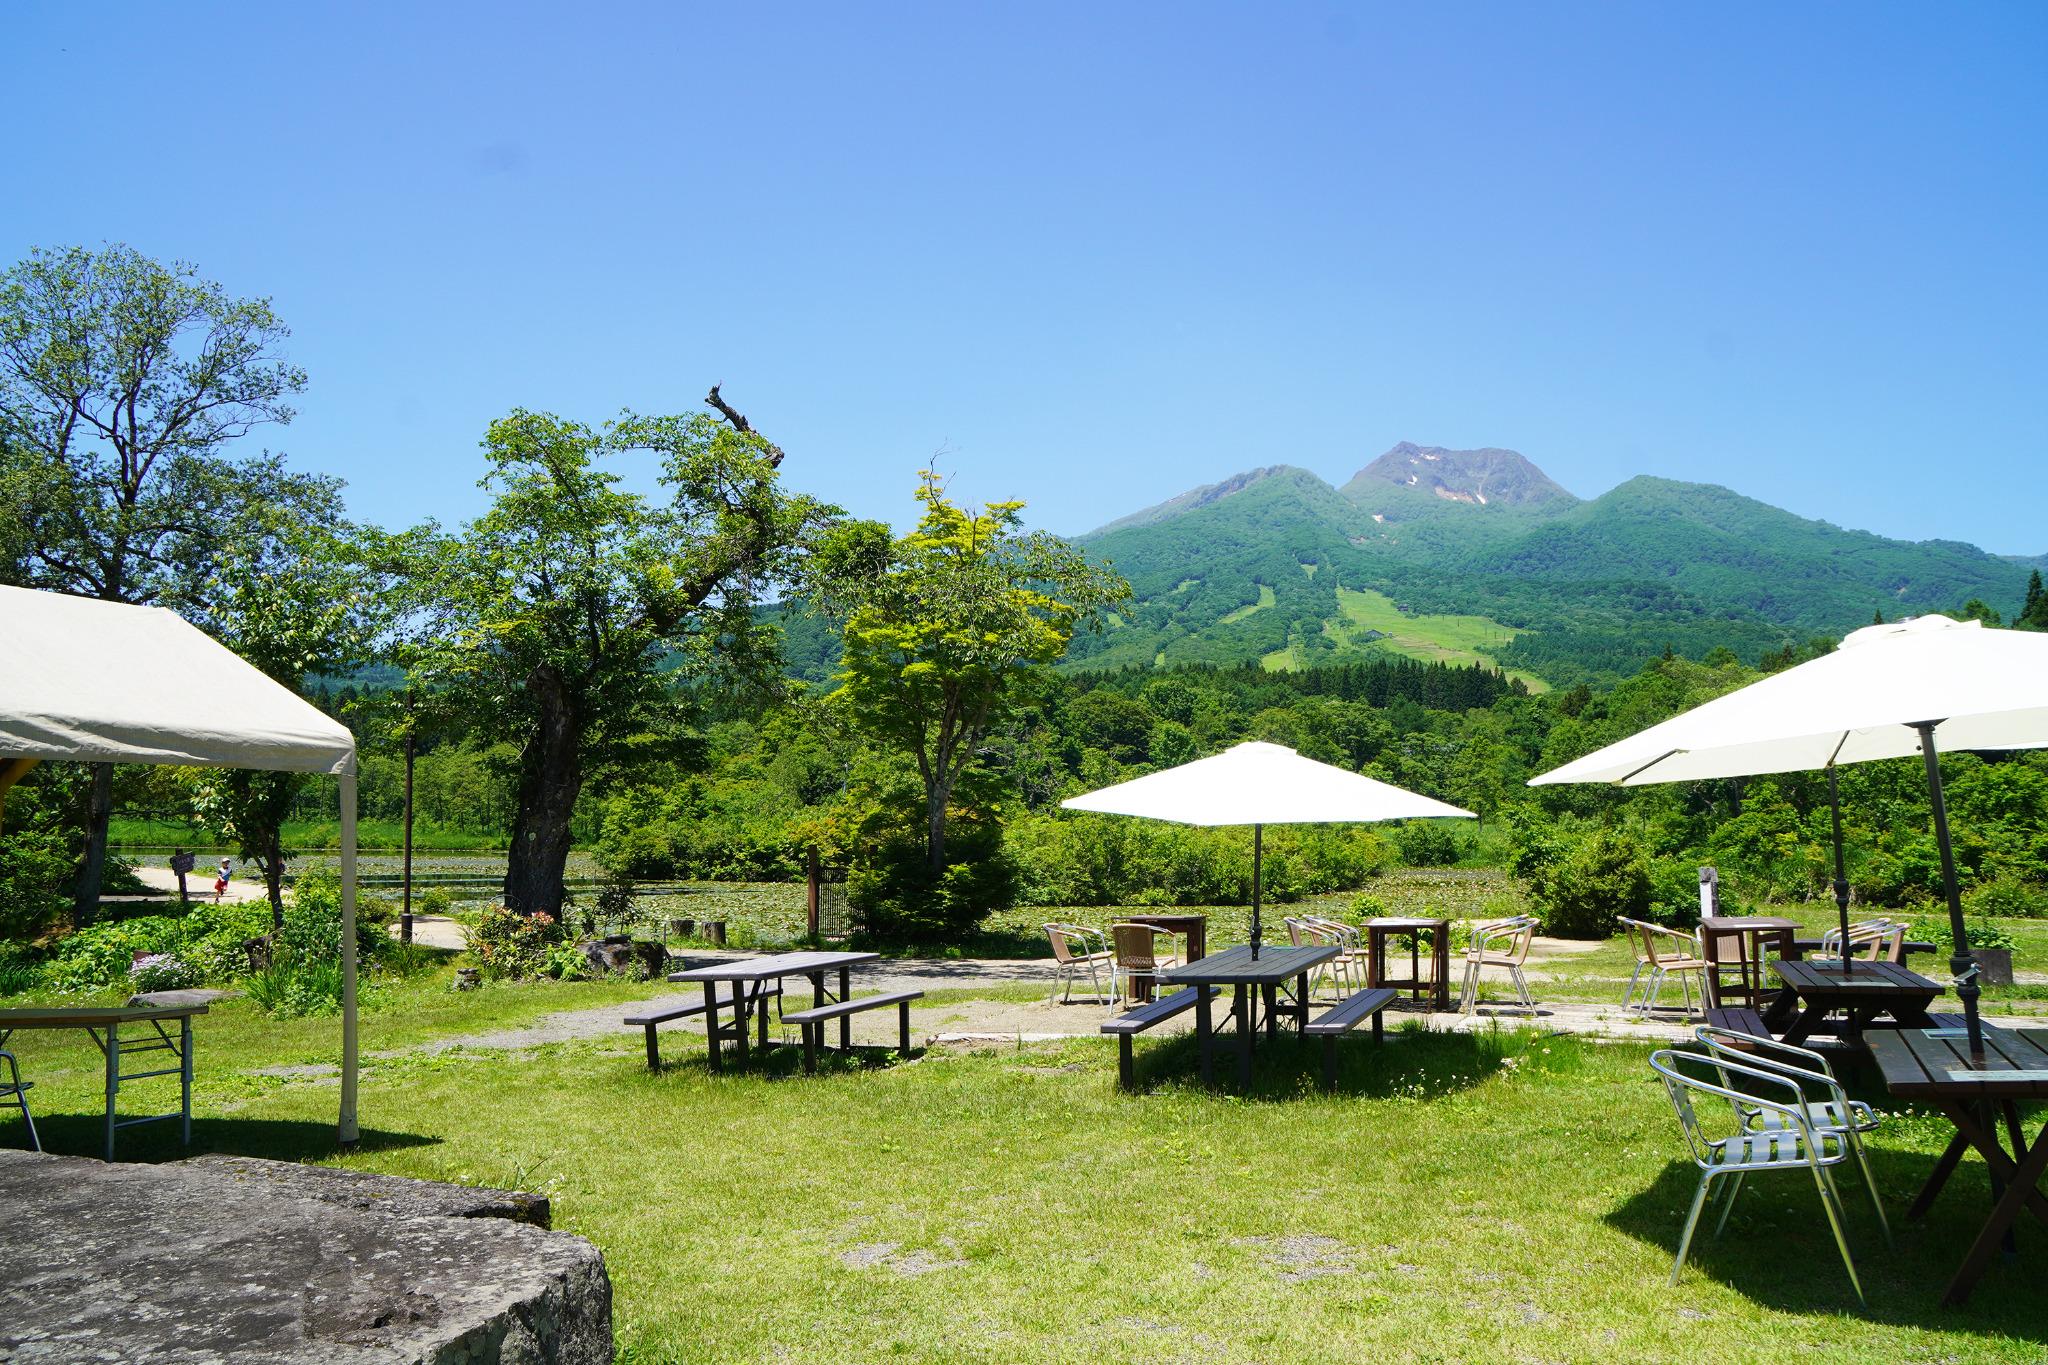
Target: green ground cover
(1499,1196)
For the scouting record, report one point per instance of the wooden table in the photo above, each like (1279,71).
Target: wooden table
(1747,934)
(1252,979)
(1935,1067)
(757,971)
(103,1025)
(1438,983)
(1864,993)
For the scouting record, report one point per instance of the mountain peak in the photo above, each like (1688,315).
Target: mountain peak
(1491,477)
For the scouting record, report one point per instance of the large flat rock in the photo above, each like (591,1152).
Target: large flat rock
(212,1263)
(391,1195)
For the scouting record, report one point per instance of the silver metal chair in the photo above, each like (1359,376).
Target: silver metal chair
(1500,943)
(14,1095)
(1798,1142)
(1836,1113)
(1872,940)
(1670,953)
(1075,949)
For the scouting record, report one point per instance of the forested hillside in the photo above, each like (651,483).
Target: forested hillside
(1478,557)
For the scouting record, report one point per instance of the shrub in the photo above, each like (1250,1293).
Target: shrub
(312,922)
(1427,843)
(296,989)
(21,968)
(436,900)
(1598,877)
(1368,906)
(510,946)
(1674,894)
(2007,898)
(1980,934)
(163,972)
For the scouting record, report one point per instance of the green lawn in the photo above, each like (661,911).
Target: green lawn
(1503,1196)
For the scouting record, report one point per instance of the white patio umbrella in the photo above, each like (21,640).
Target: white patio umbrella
(1890,691)
(1260,784)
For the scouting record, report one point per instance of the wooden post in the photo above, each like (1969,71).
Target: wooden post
(811,891)
(405,914)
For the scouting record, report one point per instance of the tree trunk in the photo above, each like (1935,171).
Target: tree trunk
(273,877)
(550,778)
(99,810)
(935,832)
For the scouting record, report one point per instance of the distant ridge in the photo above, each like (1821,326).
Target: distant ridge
(1201,497)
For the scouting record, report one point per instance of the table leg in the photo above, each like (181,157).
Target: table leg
(1272,1001)
(1943,1169)
(711,1024)
(1245,1029)
(761,1011)
(741,1003)
(1301,1004)
(845,1021)
(185,1077)
(817,990)
(1809,1019)
(113,1082)
(1205,1039)
(2022,1190)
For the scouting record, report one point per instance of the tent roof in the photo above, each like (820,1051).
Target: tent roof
(105,682)
(1988,688)
(1259,784)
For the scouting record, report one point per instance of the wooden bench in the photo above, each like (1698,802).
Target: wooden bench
(812,1021)
(1344,1016)
(1129,1025)
(1739,1019)
(685,1007)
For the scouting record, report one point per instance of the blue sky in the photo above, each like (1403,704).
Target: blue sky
(1098,254)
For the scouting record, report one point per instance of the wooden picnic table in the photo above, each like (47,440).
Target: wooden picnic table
(1437,985)
(1864,993)
(1252,980)
(757,971)
(103,1024)
(1935,1066)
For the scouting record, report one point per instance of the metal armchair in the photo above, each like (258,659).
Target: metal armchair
(1499,943)
(1075,949)
(14,1095)
(1796,1142)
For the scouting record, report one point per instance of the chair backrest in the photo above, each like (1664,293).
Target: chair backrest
(1639,938)
(1799,1062)
(1518,931)
(1333,931)
(1137,945)
(1713,1075)
(1294,931)
(1869,940)
(1071,941)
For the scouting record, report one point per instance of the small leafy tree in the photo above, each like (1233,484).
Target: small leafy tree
(941,626)
(122,382)
(566,617)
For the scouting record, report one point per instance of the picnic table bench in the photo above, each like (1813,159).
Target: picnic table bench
(659,1012)
(1255,975)
(1128,1025)
(1863,991)
(1344,1016)
(812,1021)
(772,968)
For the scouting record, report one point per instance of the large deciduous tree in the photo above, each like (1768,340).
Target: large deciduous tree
(570,614)
(942,624)
(122,382)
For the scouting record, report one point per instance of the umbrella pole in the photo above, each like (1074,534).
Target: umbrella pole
(1841,876)
(1961,962)
(1258,858)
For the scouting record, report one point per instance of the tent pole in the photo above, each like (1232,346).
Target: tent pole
(1258,858)
(1841,876)
(1961,963)
(349,1132)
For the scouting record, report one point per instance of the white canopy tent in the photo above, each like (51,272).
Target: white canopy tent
(1260,784)
(100,682)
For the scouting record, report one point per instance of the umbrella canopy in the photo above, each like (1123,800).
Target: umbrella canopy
(1260,784)
(1987,688)
(1891,691)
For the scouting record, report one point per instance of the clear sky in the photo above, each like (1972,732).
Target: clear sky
(1097,254)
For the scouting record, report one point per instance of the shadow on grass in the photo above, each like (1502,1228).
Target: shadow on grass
(276,1139)
(1410,1061)
(1778,1252)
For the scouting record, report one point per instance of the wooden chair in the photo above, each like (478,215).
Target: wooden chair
(1075,949)
(1500,943)
(14,1095)
(1135,949)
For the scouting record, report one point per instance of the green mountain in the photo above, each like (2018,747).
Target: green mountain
(1479,556)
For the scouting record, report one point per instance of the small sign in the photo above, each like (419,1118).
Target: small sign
(182,862)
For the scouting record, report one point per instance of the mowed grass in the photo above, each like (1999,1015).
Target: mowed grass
(1429,637)
(1501,1196)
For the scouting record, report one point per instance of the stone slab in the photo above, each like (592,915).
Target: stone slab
(392,1195)
(192,1263)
